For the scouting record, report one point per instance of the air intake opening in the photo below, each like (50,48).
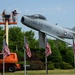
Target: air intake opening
(22,19)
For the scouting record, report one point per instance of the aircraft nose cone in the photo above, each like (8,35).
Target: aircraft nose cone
(22,19)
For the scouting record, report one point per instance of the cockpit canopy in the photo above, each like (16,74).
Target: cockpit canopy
(37,16)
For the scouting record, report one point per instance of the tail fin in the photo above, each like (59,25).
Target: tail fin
(73,29)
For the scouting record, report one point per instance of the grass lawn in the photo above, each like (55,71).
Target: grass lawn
(43,72)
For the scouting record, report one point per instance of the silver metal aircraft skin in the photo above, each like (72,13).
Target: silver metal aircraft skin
(39,22)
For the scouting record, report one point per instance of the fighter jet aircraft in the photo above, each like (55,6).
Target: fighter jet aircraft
(40,23)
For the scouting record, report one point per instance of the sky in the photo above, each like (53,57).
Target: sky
(55,11)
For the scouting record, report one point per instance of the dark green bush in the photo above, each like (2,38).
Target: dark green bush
(20,55)
(64,65)
(36,65)
(51,66)
(57,65)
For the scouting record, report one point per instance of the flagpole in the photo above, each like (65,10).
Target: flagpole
(46,64)
(74,49)
(24,57)
(3,58)
(46,57)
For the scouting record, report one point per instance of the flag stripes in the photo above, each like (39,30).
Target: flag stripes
(48,49)
(5,49)
(27,48)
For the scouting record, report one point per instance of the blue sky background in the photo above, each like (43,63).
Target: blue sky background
(56,11)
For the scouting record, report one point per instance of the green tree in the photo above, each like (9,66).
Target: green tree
(1,38)
(69,57)
(31,39)
(62,47)
(16,38)
(55,56)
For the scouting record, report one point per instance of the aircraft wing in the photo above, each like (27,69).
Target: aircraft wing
(54,36)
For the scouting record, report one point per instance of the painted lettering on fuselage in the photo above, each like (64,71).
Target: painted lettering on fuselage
(41,25)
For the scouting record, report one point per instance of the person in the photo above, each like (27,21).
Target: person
(3,15)
(14,13)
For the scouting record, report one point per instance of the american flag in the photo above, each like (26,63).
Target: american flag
(6,49)
(27,48)
(48,49)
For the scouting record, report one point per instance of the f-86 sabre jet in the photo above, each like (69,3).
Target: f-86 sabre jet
(40,23)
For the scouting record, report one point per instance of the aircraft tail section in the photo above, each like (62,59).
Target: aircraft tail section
(73,29)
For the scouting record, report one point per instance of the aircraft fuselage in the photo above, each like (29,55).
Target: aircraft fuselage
(44,26)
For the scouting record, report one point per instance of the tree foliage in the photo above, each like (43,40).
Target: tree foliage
(69,57)
(16,38)
(31,39)
(60,51)
(1,37)
(55,56)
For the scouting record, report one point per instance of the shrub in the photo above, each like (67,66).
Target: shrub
(57,65)
(36,65)
(20,55)
(69,57)
(64,65)
(51,66)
